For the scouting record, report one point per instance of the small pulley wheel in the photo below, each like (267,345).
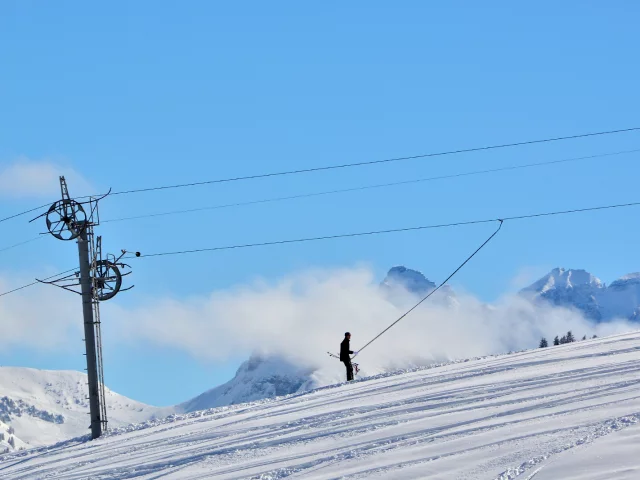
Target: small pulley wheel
(107,280)
(66,219)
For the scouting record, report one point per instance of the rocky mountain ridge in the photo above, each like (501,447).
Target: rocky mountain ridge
(579,289)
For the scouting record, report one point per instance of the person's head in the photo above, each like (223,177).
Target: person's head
(347,335)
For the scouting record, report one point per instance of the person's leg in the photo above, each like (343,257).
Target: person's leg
(349,368)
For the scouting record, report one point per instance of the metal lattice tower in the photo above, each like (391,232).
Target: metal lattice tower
(96,254)
(98,279)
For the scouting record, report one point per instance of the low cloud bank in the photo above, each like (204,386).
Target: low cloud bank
(302,316)
(41,317)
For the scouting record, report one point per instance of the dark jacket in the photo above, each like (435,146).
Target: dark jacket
(344,351)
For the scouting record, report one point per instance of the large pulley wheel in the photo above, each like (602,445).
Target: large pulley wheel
(66,219)
(107,280)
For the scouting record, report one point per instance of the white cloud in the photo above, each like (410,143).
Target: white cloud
(41,317)
(25,178)
(303,316)
(527,275)
(300,317)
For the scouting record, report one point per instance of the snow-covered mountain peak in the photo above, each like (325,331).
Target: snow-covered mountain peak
(403,285)
(259,377)
(626,281)
(562,278)
(411,280)
(260,365)
(581,290)
(43,406)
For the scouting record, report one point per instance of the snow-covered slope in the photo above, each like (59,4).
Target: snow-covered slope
(257,378)
(608,457)
(9,441)
(500,417)
(45,406)
(581,290)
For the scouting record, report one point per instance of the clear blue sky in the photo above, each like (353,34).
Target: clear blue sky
(136,94)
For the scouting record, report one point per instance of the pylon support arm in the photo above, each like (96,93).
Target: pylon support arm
(64,287)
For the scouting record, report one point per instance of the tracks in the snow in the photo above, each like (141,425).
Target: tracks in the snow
(513,410)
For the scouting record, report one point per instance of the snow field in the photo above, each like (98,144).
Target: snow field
(514,416)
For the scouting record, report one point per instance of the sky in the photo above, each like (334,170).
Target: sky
(144,94)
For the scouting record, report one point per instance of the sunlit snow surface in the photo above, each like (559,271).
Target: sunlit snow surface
(539,414)
(46,405)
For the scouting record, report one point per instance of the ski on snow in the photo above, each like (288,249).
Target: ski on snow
(355,365)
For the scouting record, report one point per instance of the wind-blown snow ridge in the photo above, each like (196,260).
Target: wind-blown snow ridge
(495,417)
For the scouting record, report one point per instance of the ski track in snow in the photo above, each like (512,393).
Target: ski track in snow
(498,418)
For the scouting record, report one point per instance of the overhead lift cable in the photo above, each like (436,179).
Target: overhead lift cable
(368,187)
(379,232)
(434,290)
(25,212)
(354,164)
(376,162)
(21,243)
(279,242)
(346,190)
(36,282)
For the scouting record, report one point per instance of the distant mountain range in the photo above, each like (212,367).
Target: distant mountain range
(40,407)
(583,291)
(576,289)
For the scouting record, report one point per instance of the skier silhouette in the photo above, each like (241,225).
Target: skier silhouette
(344,355)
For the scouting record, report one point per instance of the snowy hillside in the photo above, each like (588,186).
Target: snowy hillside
(580,289)
(542,414)
(45,406)
(257,378)
(9,441)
